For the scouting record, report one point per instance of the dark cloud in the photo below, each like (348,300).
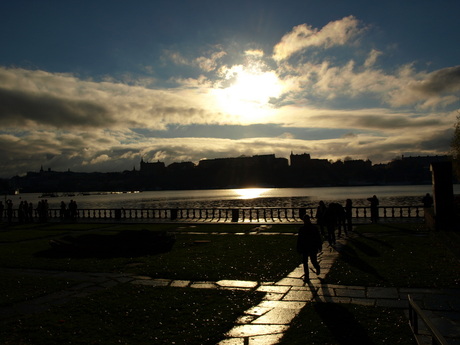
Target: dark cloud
(20,108)
(444,80)
(391,122)
(438,141)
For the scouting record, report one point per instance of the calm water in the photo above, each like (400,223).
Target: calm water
(258,197)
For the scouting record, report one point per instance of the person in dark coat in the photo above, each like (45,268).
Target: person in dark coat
(427,201)
(309,244)
(331,223)
(321,216)
(374,208)
(349,214)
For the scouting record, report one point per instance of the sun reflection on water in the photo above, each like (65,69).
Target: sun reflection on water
(250,193)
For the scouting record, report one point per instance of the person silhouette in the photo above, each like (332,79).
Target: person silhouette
(374,209)
(427,201)
(309,244)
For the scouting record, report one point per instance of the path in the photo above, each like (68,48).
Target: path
(283,300)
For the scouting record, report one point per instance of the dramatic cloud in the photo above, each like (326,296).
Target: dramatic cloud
(65,122)
(304,36)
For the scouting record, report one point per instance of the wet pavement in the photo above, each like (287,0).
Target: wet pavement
(266,322)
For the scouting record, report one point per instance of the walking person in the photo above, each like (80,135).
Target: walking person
(331,223)
(349,214)
(9,210)
(374,209)
(320,216)
(309,244)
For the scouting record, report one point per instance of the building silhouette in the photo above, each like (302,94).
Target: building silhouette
(301,170)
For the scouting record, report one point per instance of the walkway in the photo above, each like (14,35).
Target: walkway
(266,322)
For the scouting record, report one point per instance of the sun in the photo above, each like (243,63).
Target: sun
(247,93)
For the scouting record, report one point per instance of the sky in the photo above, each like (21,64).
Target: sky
(98,85)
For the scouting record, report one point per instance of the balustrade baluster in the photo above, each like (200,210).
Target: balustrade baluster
(286,214)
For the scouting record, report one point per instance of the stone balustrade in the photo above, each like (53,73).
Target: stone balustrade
(242,214)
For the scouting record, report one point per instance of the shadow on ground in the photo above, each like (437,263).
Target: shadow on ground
(342,324)
(130,243)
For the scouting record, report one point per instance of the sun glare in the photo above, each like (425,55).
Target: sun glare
(249,93)
(250,193)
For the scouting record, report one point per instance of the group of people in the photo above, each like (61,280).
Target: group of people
(328,219)
(70,212)
(332,217)
(25,211)
(9,210)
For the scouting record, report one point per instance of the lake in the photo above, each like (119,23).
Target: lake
(247,197)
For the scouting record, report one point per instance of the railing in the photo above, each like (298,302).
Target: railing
(414,314)
(243,214)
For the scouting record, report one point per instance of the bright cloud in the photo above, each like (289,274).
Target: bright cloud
(304,36)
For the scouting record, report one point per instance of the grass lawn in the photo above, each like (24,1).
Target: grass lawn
(128,314)
(193,257)
(396,255)
(16,287)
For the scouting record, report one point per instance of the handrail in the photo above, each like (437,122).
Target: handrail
(414,313)
(218,214)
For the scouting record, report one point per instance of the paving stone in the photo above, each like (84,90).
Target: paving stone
(180,283)
(354,293)
(290,282)
(330,299)
(203,285)
(303,288)
(298,295)
(331,286)
(274,288)
(245,319)
(142,277)
(255,330)
(237,283)
(232,341)
(282,304)
(277,316)
(257,311)
(322,291)
(271,339)
(152,282)
(271,296)
(391,303)
(297,273)
(411,291)
(368,302)
(378,292)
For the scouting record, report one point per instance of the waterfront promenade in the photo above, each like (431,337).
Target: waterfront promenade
(266,322)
